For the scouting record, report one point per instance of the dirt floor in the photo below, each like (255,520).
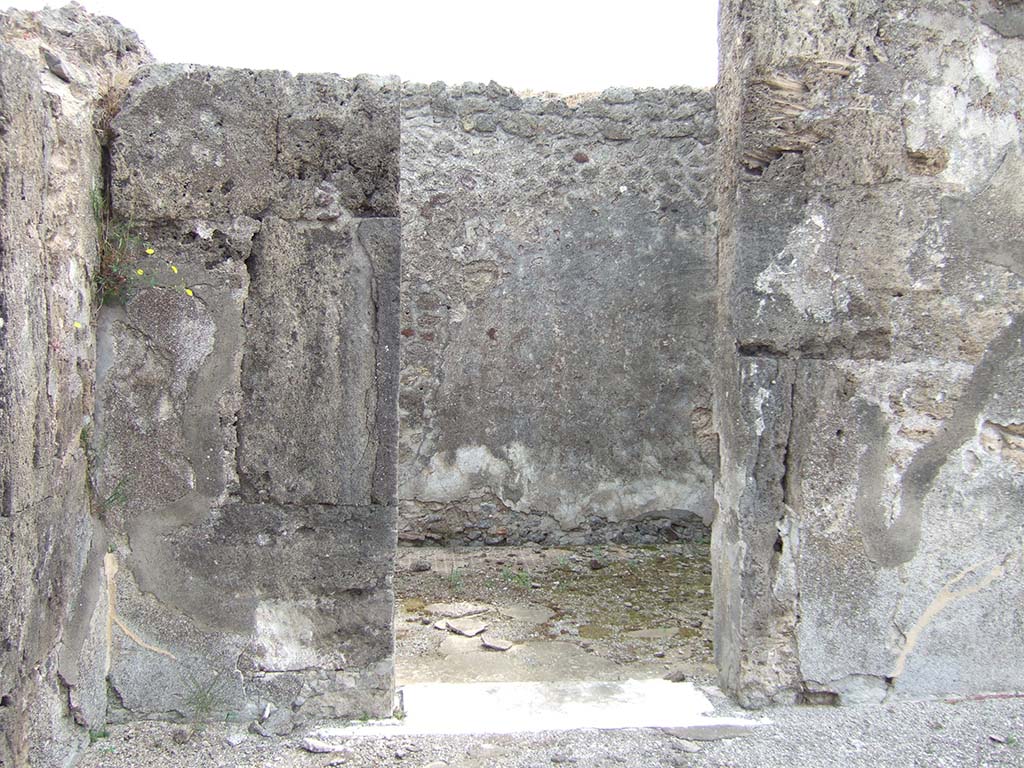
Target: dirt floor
(598,613)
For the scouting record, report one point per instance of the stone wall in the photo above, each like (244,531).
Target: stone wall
(246,397)
(557,315)
(199,509)
(869,400)
(57,69)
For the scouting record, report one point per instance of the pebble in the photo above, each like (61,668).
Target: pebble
(420,566)
(235,739)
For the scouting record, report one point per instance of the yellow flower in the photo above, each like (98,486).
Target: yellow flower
(174,269)
(150,251)
(188,292)
(139,272)
(77,324)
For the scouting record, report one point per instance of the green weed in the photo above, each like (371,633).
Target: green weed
(520,579)
(204,696)
(122,254)
(95,734)
(455,579)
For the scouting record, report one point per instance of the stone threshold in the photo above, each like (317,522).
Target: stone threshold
(531,707)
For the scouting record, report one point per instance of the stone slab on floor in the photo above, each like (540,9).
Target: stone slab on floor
(518,707)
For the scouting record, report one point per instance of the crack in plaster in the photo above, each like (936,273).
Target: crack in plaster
(947,596)
(111,567)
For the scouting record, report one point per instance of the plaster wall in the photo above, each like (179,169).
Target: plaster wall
(557,316)
(57,72)
(201,484)
(868,393)
(246,416)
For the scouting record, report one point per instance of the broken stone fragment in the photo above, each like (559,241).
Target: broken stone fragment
(55,65)
(236,738)
(456,610)
(466,627)
(322,747)
(527,612)
(495,643)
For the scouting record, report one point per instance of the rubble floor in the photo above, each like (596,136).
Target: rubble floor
(589,613)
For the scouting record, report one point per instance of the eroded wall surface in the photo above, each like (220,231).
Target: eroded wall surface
(869,397)
(557,314)
(56,69)
(246,397)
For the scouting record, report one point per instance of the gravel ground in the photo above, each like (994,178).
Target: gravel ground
(596,601)
(933,734)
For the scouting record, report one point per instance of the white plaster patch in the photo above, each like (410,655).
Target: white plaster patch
(759,400)
(947,114)
(285,634)
(472,466)
(798,272)
(445,480)
(629,501)
(985,64)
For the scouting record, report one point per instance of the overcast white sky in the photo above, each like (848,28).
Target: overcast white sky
(565,47)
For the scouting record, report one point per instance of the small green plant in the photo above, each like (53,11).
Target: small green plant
(115,498)
(1012,740)
(123,256)
(119,250)
(119,495)
(455,579)
(519,578)
(204,696)
(95,734)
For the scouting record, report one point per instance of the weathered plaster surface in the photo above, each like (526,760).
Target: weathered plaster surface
(56,69)
(250,420)
(557,298)
(871,246)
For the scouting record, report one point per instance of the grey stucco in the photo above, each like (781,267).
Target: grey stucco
(870,247)
(201,485)
(557,312)
(246,396)
(56,70)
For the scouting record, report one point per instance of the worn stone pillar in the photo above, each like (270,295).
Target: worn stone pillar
(871,307)
(246,404)
(58,72)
